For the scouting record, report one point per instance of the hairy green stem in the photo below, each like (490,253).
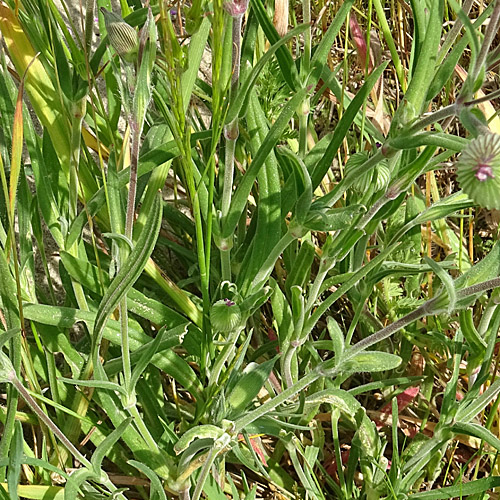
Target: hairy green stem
(125,348)
(287,362)
(13,321)
(316,287)
(30,401)
(146,435)
(47,421)
(451,36)
(129,227)
(212,455)
(424,310)
(231,134)
(331,299)
(324,369)
(273,403)
(303,124)
(306,61)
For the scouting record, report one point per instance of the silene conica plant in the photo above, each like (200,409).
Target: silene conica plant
(231,254)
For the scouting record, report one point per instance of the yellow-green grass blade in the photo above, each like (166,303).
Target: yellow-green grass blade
(37,492)
(17,148)
(39,87)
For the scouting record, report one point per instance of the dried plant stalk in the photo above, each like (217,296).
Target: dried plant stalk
(280,20)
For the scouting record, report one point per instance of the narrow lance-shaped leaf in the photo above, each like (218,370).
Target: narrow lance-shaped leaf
(17,143)
(241,194)
(460,490)
(106,446)
(129,272)
(344,124)
(15,460)
(237,104)
(156,487)
(285,60)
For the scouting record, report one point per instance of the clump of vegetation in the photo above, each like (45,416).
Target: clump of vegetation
(244,306)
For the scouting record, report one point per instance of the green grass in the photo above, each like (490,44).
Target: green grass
(256,291)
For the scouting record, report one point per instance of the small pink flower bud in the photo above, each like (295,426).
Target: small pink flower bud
(236,8)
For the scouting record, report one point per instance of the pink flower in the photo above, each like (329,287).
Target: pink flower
(236,8)
(484,172)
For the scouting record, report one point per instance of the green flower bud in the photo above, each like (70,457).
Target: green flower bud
(378,177)
(122,37)
(225,316)
(478,170)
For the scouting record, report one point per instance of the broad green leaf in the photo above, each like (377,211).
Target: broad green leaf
(303,184)
(37,462)
(477,345)
(440,209)
(112,406)
(167,360)
(439,139)
(6,368)
(469,409)
(332,219)
(446,68)
(424,62)
(370,361)
(337,337)
(268,214)
(353,411)
(8,294)
(381,384)
(301,270)
(150,160)
(322,50)
(88,275)
(98,384)
(213,490)
(250,383)
(485,269)
(9,334)
(447,281)
(75,481)
(146,357)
